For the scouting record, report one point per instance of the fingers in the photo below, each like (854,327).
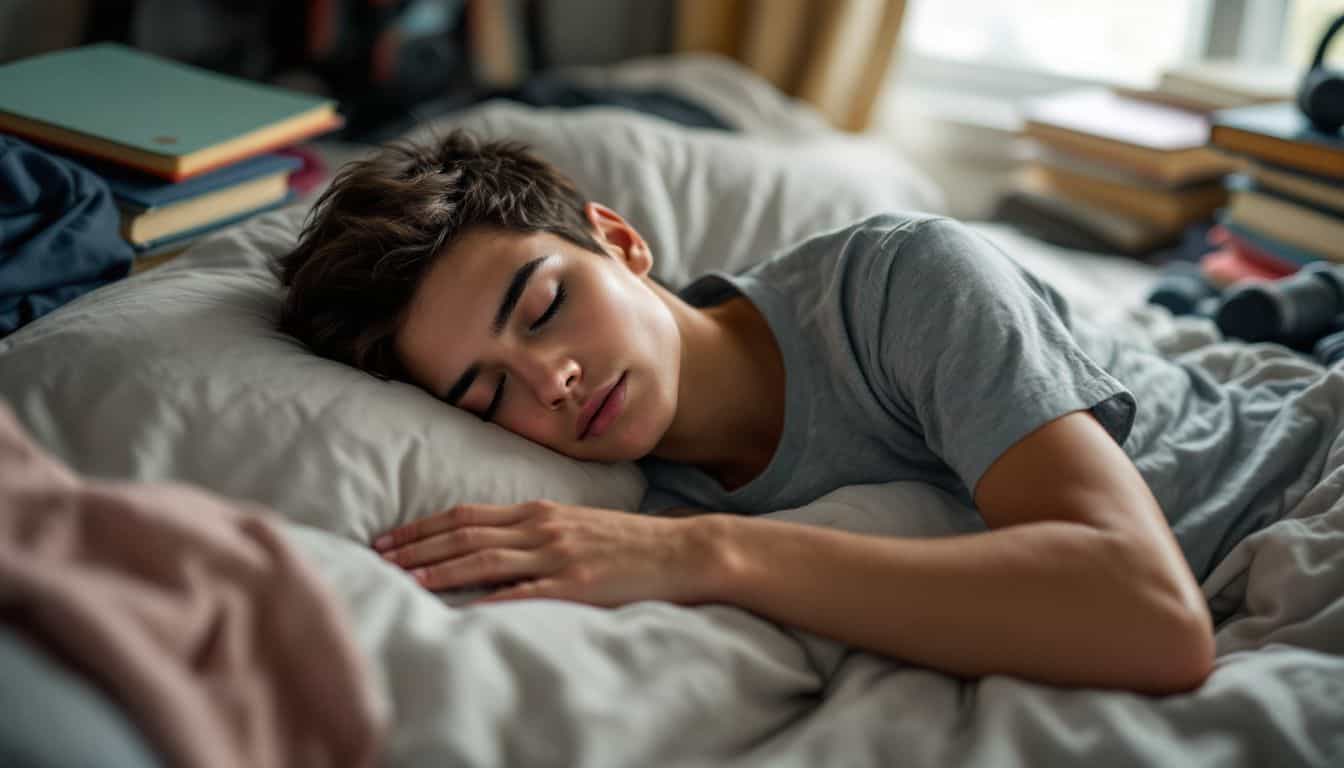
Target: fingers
(462,541)
(450,519)
(489,566)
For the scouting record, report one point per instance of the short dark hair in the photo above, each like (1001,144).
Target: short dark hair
(374,233)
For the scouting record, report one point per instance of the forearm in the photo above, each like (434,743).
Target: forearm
(1056,602)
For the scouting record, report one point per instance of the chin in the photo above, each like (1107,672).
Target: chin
(631,440)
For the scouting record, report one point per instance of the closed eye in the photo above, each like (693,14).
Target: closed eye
(551,310)
(559,299)
(489,414)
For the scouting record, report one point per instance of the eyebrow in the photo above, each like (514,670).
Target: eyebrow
(511,297)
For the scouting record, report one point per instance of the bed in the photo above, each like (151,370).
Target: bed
(177,374)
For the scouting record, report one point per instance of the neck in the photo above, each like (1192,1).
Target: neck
(730,397)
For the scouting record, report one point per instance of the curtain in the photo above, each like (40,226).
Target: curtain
(832,54)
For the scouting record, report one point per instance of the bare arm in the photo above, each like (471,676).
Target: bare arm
(1079,582)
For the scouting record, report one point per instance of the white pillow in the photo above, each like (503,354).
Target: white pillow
(178,374)
(707,200)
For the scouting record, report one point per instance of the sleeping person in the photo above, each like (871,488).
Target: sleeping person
(1110,479)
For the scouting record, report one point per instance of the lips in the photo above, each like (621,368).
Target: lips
(594,406)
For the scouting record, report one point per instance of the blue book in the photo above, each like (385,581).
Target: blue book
(138,191)
(166,242)
(153,210)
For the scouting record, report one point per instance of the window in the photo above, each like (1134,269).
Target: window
(1122,42)
(1307,20)
(1025,46)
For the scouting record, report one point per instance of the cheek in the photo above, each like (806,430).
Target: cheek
(639,317)
(536,424)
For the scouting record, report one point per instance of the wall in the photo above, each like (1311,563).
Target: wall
(592,32)
(33,26)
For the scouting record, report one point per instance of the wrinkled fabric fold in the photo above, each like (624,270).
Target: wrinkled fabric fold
(60,233)
(189,609)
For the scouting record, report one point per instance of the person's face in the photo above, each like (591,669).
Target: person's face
(585,330)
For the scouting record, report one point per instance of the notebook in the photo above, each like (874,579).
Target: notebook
(160,116)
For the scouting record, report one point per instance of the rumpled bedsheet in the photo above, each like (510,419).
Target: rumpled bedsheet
(189,609)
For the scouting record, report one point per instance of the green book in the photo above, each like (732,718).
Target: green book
(160,116)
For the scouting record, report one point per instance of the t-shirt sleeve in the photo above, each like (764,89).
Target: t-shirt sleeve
(973,348)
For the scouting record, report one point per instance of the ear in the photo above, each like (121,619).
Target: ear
(621,241)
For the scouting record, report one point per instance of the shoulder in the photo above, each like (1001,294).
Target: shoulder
(894,231)
(860,252)
(915,259)
(899,242)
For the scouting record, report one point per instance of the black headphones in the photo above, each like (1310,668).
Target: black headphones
(1321,95)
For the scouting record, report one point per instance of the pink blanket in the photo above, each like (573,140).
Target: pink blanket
(186,607)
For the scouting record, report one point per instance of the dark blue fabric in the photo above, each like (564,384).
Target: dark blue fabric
(59,233)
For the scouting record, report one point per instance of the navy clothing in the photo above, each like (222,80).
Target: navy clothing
(60,233)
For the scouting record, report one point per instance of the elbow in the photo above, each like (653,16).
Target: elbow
(1186,648)
(1194,645)
(1180,647)
(1192,654)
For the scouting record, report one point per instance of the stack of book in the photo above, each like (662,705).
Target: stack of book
(184,150)
(1287,205)
(1113,172)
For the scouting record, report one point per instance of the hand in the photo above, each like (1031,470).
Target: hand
(547,550)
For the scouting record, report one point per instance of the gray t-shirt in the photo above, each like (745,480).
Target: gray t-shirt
(916,350)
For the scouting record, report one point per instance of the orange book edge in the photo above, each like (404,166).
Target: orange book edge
(315,122)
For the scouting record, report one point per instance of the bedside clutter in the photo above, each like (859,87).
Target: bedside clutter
(185,151)
(1276,271)
(1287,207)
(1304,311)
(1252,155)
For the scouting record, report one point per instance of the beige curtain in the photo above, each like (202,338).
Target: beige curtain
(833,54)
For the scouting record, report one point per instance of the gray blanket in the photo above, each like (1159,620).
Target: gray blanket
(551,683)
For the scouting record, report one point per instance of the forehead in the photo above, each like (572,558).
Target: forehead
(457,299)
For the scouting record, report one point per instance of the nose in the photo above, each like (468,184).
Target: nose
(552,378)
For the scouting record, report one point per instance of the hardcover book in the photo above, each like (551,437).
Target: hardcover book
(1162,143)
(1282,135)
(170,119)
(153,209)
